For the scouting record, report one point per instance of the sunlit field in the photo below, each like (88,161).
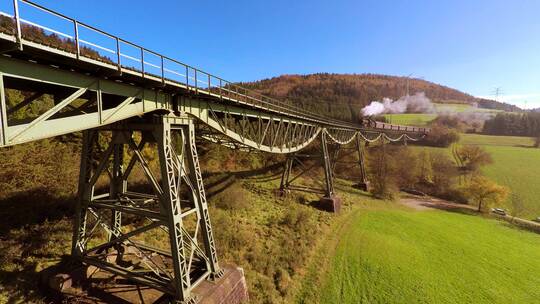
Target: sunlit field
(391,255)
(411,119)
(513,158)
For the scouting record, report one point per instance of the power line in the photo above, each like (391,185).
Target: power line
(497,92)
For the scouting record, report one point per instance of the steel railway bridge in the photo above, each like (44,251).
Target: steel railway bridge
(125,98)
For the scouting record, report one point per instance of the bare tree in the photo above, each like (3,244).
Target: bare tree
(517,205)
(537,141)
(382,170)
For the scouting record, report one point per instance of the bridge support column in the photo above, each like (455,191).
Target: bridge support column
(329,201)
(363,182)
(286,175)
(118,186)
(159,242)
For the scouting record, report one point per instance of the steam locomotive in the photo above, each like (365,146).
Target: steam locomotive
(370,122)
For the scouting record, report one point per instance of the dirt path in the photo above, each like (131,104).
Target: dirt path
(425,203)
(429,203)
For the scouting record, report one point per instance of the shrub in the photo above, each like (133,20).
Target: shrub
(282,280)
(47,165)
(444,172)
(235,197)
(301,199)
(484,192)
(296,217)
(441,136)
(450,121)
(517,205)
(425,169)
(407,169)
(382,169)
(471,157)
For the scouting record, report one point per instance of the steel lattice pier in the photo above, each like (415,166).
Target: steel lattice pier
(176,206)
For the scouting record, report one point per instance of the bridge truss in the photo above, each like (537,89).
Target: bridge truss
(153,103)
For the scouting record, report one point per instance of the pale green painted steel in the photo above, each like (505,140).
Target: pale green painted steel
(157,106)
(150,101)
(3,112)
(164,209)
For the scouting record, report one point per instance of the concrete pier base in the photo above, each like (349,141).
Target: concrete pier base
(229,289)
(364,186)
(330,204)
(91,285)
(280,193)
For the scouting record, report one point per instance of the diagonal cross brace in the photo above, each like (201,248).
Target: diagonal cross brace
(51,111)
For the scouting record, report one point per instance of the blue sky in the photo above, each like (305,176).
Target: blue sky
(474,46)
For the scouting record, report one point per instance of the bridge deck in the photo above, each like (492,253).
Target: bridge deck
(74,51)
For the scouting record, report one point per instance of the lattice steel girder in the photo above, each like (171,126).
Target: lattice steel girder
(43,126)
(210,112)
(251,128)
(178,270)
(172,173)
(254,127)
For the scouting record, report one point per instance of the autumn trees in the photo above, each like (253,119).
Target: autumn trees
(395,168)
(383,172)
(485,192)
(441,136)
(470,158)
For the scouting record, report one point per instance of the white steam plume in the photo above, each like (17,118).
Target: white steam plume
(417,103)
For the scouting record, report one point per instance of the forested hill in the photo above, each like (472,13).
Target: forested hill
(343,95)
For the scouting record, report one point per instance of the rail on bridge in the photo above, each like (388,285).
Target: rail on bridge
(126,98)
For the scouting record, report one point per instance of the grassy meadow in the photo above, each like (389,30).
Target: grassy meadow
(513,158)
(514,163)
(388,254)
(493,140)
(412,119)
(454,107)
(461,107)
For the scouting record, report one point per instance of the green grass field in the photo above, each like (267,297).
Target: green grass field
(410,119)
(490,140)
(515,164)
(460,107)
(455,107)
(392,255)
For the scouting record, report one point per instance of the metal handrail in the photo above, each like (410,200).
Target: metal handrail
(192,80)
